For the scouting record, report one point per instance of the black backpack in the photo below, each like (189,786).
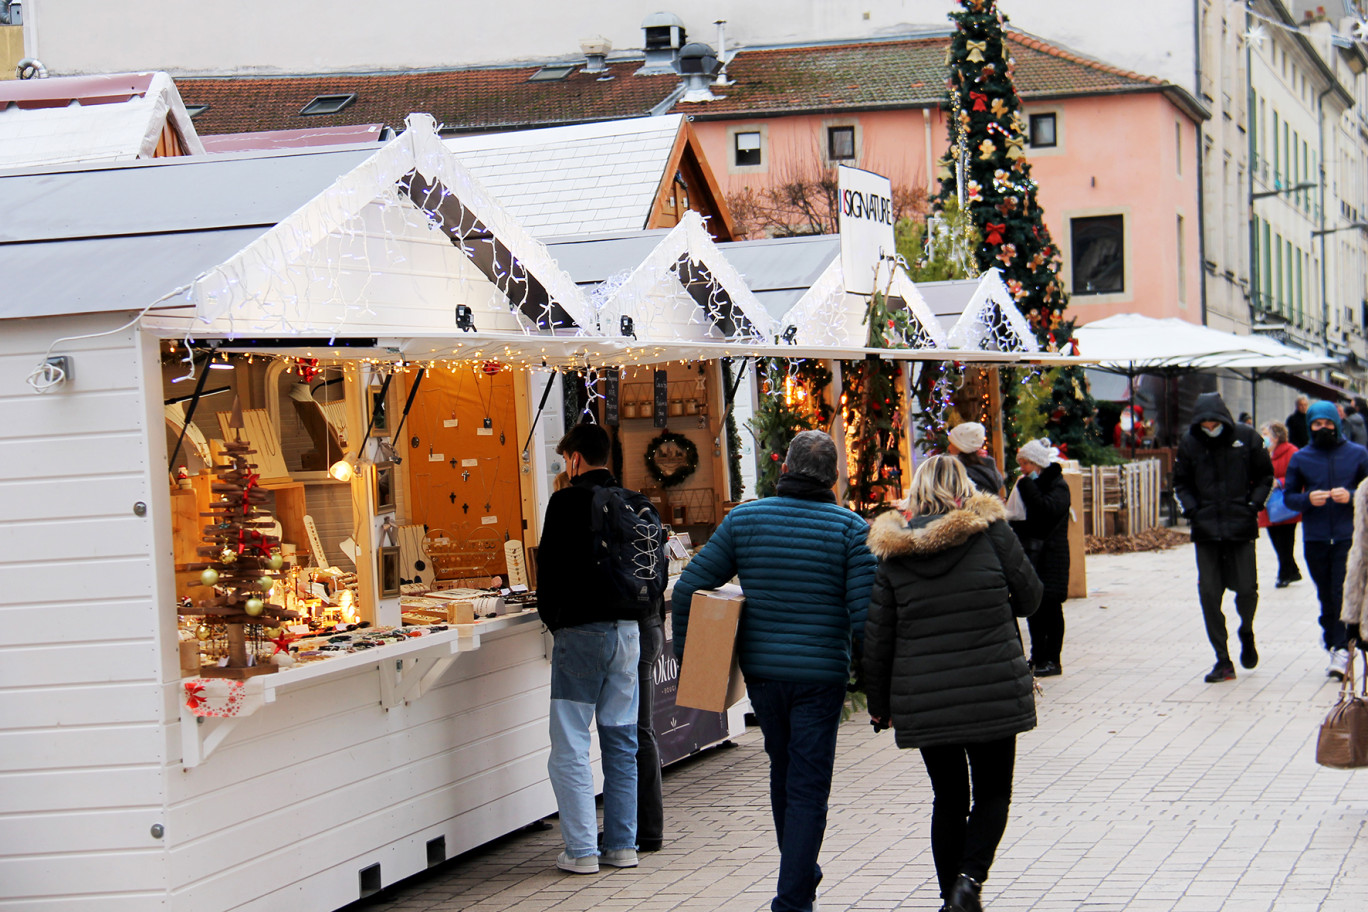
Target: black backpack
(629,546)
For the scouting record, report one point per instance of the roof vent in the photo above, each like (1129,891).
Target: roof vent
(596,52)
(698,64)
(327,104)
(664,37)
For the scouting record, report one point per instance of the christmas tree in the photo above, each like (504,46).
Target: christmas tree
(243,560)
(987,142)
(792,399)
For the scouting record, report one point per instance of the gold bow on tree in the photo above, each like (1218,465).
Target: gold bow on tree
(1014,144)
(976,49)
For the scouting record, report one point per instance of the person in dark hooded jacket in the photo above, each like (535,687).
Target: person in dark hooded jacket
(1044,535)
(1221,477)
(943,660)
(1320,482)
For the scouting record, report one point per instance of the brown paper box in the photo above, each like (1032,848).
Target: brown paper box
(710,676)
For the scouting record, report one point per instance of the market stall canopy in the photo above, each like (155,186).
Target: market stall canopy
(1136,344)
(83,119)
(979,314)
(800,283)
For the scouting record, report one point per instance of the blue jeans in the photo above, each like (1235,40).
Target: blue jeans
(594,673)
(799,722)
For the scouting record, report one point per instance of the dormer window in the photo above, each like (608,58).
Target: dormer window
(327,104)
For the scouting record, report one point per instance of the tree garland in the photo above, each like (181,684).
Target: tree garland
(686,446)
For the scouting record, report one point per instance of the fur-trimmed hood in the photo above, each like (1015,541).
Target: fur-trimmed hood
(892,536)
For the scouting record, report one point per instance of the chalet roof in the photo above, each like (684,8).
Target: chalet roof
(64,119)
(575,179)
(846,76)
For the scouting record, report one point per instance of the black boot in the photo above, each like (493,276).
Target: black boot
(964,895)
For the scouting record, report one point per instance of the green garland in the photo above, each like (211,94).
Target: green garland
(669,480)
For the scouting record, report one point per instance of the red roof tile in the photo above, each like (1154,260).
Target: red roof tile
(854,76)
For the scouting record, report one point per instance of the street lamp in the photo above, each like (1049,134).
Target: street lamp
(1296,188)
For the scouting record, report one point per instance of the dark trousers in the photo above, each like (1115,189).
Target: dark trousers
(1223,565)
(1284,539)
(799,722)
(650,803)
(1047,631)
(1325,561)
(965,833)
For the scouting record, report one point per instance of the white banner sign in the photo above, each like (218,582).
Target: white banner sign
(866,222)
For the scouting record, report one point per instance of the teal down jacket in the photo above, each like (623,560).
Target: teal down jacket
(807,576)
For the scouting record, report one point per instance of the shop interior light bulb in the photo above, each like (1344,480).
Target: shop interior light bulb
(342,470)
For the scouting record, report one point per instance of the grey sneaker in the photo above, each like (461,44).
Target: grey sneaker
(1339,664)
(620,858)
(586,865)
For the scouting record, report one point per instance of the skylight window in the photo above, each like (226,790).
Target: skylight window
(551,74)
(196,110)
(328,104)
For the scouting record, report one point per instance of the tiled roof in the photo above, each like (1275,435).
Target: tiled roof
(871,74)
(576,179)
(486,99)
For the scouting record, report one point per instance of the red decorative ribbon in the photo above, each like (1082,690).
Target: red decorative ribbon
(194,689)
(980,101)
(308,368)
(995,229)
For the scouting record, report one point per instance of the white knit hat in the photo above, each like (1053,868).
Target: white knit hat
(1039,452)
(967,437)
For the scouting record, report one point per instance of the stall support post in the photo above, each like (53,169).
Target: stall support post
(838,432)
(367,577)
(716,424)
(527,461)
(909,402)
(995,409)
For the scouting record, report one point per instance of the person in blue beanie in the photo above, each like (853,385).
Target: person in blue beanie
(1320,482)
(1221,477)
(807,574)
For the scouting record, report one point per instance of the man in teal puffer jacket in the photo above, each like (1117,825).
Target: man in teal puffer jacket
(807,574)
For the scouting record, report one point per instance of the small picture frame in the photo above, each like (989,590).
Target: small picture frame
(379,421)
(388,565)
(384,488)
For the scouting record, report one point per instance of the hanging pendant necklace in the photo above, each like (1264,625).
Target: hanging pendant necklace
(492,480)
(486,405)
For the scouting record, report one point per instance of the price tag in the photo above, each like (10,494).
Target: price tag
(488,520)
(484,432)
(451,422)
(436,457)
(470,463)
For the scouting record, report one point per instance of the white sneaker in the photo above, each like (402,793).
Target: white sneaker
(1339,664)
(620,858)
(586,865)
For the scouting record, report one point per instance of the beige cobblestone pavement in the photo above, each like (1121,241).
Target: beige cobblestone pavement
(1143,789)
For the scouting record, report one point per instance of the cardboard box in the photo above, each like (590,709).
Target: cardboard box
(710,676)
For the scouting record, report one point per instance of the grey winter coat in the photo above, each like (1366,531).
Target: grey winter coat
(942,651)
(1352,609)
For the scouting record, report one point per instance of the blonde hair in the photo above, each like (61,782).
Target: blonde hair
(939,486)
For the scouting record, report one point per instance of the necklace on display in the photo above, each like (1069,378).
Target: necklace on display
(486,405)
(493,479)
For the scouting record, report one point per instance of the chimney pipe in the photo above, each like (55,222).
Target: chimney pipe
(722,57)
(596,52)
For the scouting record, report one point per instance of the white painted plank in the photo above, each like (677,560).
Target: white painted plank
(47,707)
(113,830)
(38,417)
(65,457)
(34,337)
(79,748)
(102,537)
(54,500)
(52,791)
(95,371)
(128,881)
(76,622)
(81,663)
(34,584)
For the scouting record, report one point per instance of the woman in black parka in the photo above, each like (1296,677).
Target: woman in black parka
(1044,535)
(943,661)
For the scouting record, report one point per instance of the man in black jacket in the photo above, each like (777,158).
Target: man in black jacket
(593,667)
(1222,476)
(1298,429)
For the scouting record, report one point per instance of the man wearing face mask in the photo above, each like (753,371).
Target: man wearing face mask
(1320,482)
(1221,477)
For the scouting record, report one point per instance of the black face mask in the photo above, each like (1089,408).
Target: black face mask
(1324,437)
